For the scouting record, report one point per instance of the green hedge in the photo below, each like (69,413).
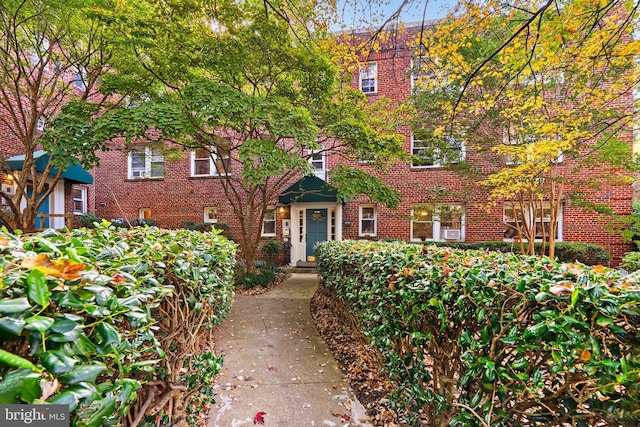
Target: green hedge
(585,253)
(476,338)
(104,319)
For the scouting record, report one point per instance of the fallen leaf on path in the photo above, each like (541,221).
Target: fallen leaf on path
(271,368)
(259,418)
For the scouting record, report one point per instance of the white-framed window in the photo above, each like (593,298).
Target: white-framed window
(427,154)
(144,213)
(146,163)
(369,78)
(441,222)
(368,221)
(317,160)
(79,78)
(210,214)
(40,52)
(41,123)
(514,217)
(79,200)
(421,73)
(211,161)
(269,222)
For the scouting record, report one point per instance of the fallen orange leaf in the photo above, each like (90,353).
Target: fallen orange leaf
(585,355)
(61,268)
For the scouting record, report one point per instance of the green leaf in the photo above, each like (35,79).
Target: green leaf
(62,325)
(16,361)
(37,289)
(11,325)
(39,323)
(105,409)
(56,362)
(68,397)
(17,305)
(83,373)
(108,333)
(20,384)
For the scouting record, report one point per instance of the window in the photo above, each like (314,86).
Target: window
(210,214)
(369,79)
(421,73)
(41,123)
(146,163)
(79,200)
(211,161)
(429,153)
(269,222)
(514,217)
(317,160)
(40,52)
(79,78)
(368,226)
(144,213)
(437,222)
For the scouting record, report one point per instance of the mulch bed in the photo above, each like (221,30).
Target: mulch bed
(358,361)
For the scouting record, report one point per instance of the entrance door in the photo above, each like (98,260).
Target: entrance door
(44,208)
(316,228)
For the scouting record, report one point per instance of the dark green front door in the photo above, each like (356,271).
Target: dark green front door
(316,228)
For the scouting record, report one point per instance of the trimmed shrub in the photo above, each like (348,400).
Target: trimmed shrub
(476,338)
(107,320)
(585,253)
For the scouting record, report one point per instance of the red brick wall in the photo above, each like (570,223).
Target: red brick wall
(179,197)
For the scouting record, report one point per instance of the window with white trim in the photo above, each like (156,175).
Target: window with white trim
(79,200)
(40,53)
(79,78)
(421,73)
(41,123)
(515,219)
(144,213)
(369,78)
(442,222)
(146,163)
(269,222)
(211,161)
(368,221)
(317,161)
(428,153)
(210,214)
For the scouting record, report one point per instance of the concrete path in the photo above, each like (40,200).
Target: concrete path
(275,362)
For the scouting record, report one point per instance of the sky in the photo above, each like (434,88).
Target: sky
(356,12)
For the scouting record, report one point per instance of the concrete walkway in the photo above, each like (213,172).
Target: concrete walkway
(275,362)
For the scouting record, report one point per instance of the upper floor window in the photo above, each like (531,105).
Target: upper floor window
(269,222)
(212,161)
(421,73)
(368,221)
(429,153)
(39,52)
(146,163)
(79,200)
(317,161)
(437,222)
(369,79)
(79,77)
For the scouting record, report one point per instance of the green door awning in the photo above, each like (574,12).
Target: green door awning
(74,172)
(309,189)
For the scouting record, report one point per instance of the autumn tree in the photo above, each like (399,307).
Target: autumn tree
(543,91)
(52,54)
(255,91)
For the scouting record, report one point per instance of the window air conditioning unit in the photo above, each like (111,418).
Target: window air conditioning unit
(452,234)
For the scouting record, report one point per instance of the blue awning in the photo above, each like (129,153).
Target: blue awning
(309,189)
(75,172)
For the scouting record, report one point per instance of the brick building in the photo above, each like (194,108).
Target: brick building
(437,205)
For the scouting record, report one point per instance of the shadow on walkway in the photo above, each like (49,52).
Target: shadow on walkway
(275,362)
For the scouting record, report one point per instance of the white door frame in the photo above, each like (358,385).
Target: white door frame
(298,230)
